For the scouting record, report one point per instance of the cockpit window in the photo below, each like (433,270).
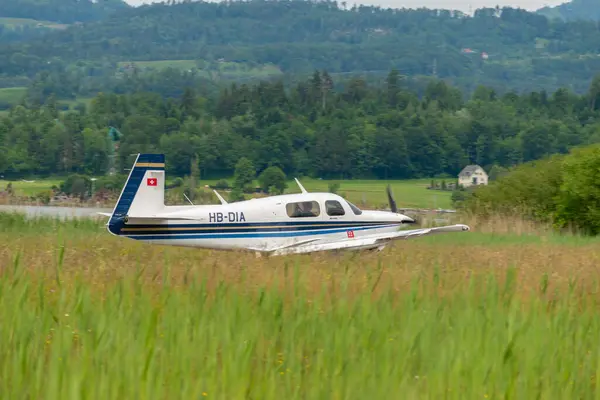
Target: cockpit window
(354,209)
(303,209)
(333,208)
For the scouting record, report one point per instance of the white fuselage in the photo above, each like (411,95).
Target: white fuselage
(263,224)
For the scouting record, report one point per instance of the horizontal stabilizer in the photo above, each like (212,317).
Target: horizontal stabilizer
(105,214)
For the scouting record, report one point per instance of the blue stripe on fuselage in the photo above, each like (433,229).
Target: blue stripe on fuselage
(229,235)
(139,230)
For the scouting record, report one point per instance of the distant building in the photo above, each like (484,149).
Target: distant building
(472,175)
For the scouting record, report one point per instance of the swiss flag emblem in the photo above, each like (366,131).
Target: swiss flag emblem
(151,181)
(350,234)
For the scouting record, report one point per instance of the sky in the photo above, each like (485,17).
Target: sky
(462,5)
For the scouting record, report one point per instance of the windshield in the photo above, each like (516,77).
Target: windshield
(355,209)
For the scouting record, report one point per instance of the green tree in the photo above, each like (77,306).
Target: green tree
(244,175)
(496,172)
(194,177)
(579,197)
(272,180)
(236,195)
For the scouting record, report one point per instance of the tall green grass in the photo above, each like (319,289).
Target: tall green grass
(210,340)
(19,223)
(85,315)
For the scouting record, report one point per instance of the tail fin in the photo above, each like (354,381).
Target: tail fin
(144,191)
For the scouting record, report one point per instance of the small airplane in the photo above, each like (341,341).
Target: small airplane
(275,225)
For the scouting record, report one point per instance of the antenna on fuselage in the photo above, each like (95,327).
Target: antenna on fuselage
(300,185)
(222,200)
(187,198)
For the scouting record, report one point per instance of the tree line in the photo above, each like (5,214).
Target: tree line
(313,128)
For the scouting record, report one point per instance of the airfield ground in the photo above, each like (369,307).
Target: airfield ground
(408,193)
(505,311)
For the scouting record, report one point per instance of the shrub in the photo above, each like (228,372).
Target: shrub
(177,182)
(222,184)
(76,185)
(272,180)
(530,189)
(562,189)
(578,202)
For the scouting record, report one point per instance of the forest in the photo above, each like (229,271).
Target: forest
(573,11)
(62,11)
(507,49)
(311,129)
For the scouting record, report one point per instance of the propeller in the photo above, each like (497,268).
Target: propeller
(394,207)
(391,200)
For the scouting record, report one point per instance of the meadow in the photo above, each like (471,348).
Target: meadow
(19,22)
(370,193)
(508,310)
(409,193)
(12,95)
(30,187)
(222,69)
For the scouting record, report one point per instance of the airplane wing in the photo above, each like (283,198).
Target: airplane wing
(370,241)
(285,247)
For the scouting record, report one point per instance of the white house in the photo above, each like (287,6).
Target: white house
(472,175)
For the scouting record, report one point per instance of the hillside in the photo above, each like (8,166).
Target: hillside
(573,11)
(24,20)
(506,49)
(61,11)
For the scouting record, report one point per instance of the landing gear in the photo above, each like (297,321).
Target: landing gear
(378,248)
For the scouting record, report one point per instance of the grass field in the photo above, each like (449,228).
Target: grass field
(161,64)
(15,22)
(409,193)
(371,193)
(219,70)
(23,188)
(474,315)
(12,95)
